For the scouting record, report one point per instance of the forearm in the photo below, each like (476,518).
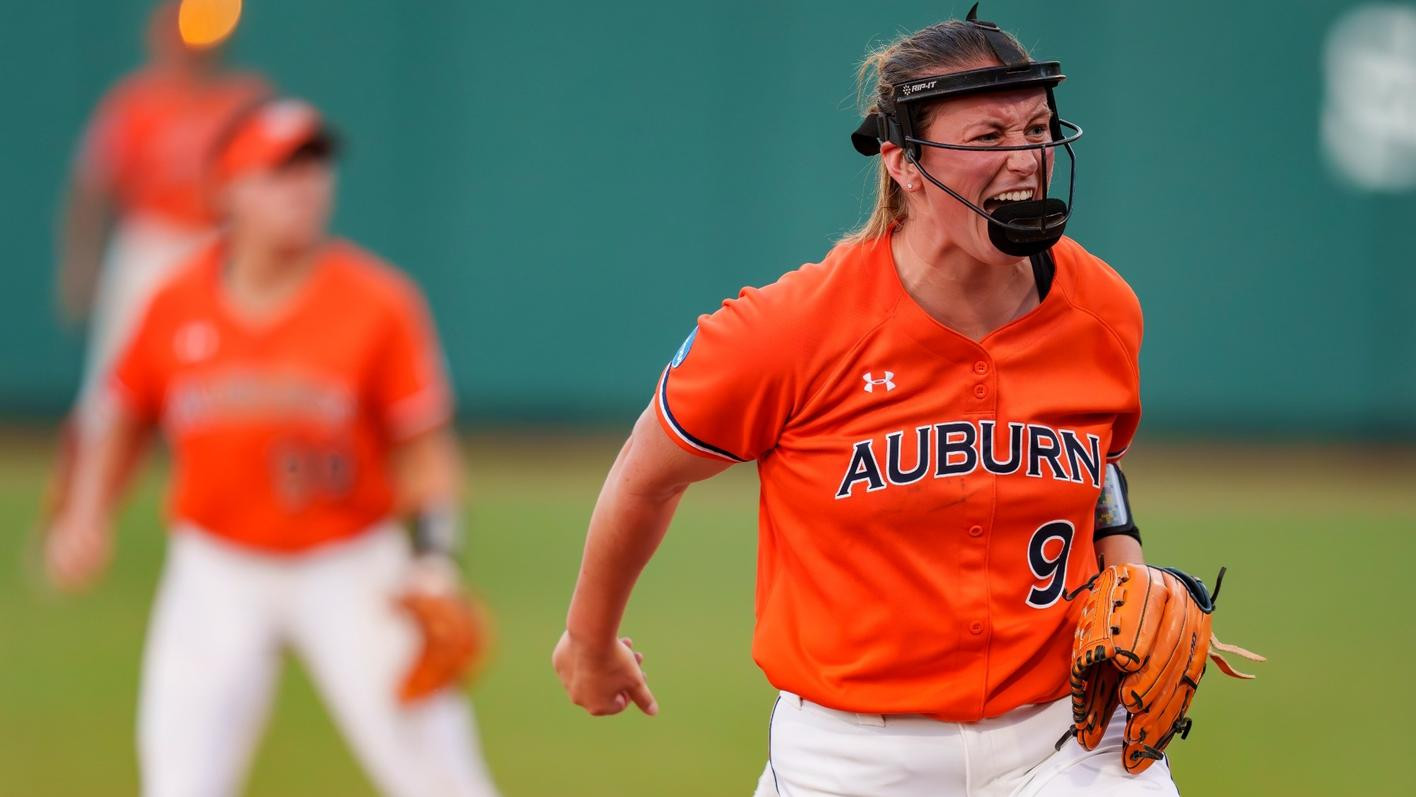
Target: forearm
(1119,549)
(430,476)
(1117,540)
(630,518)
(104,453)
(429,470)
(626,527)
(83,233)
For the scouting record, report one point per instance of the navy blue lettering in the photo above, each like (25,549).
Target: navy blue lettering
(1080,458)
(1050,450)
(893,455)
(1015,448)
(956,448)
(862,468)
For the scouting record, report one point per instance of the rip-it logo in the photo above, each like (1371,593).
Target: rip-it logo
(914,87)
(1369,103)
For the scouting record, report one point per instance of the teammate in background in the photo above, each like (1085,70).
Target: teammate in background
(136,204)
(934,410)
(301,387)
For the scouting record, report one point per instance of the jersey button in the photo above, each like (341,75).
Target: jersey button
(980,391)
(980,367)
(975,627)
(975,531)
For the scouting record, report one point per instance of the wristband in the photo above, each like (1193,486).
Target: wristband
(437,530)
(1113,507)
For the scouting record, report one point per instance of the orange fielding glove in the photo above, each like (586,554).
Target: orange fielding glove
(456,632)
(1142,641)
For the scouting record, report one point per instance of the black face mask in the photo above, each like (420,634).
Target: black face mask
(1017,228)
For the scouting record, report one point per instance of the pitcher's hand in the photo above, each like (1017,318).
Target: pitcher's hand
(603,679)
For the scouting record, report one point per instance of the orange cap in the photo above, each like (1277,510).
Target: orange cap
(266,138)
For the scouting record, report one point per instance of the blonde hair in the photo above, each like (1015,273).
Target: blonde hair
(946,46)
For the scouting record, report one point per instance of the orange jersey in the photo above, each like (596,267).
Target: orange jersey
(151,142)
(926,499)
(281,430)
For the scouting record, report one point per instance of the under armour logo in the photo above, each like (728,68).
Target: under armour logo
(871,381)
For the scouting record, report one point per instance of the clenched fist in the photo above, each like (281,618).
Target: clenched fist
(603,678)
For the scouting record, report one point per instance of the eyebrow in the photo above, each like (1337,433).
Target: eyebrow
(1044,112)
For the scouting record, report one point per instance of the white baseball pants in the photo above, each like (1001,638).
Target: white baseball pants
(816,751)
(222,617)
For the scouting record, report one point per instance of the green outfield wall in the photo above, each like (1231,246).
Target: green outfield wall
(573,183)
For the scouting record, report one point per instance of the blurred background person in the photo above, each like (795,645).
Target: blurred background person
(136,204)
(301,387)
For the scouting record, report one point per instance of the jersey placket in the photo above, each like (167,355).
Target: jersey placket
(977,521)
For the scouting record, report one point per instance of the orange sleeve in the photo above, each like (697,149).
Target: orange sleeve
(1122,432)
(1105,294)
(139,375)
(411,390)
(1128,324)
(730,388)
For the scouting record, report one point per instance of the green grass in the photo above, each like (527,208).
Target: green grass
(1319,544)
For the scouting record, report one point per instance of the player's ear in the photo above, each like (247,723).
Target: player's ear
(901,170)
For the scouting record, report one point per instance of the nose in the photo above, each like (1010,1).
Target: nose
(1025,162)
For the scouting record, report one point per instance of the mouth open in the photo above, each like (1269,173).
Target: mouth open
(1013,196)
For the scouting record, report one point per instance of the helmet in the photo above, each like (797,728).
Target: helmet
(1017,228)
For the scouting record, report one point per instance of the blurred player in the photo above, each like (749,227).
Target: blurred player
(136,204)
(934,410)
(301,387)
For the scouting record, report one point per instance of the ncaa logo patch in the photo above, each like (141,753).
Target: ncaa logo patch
(682,353)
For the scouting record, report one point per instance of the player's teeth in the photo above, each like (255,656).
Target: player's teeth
(1013,196)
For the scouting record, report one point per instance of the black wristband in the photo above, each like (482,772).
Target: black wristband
(1113,507)
(1118,531)
(437,530)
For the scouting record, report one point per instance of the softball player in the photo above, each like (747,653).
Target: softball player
(300,385)
(934,410)
(136,204)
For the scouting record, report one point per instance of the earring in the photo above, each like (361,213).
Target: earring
(910,187)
